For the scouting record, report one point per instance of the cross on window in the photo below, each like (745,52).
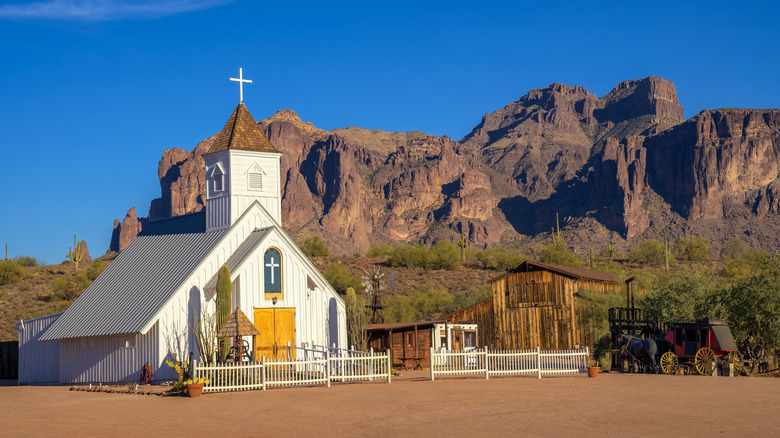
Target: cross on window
(272,265)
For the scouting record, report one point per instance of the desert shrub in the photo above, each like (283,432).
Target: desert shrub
(341,279)
(734,248)
(649,252)
(95,270)
(383,249)
(429,301)
(740,268)
(409,256)
(444,255)
(468,297)
(557,252)
(26,261)
(610,253)
(499,258)
(69,288)
(315,247)
(682,297)
(696,249)
(11,272)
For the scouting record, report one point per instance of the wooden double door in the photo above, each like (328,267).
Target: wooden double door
(277,328)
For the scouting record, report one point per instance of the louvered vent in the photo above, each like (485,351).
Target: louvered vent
(255,181)
(217,183)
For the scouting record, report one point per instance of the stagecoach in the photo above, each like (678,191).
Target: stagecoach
(698,346)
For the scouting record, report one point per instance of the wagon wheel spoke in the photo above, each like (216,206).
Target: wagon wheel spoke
(703,360)
(735,357)
(669,363)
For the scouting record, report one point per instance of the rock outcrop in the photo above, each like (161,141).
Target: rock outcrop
(626,163)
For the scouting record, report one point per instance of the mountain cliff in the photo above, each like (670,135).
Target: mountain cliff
(622,166)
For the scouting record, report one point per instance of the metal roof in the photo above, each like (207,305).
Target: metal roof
(145,275)
(241,254)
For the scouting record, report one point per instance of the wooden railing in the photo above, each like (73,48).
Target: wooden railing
(507,362)
(309,369)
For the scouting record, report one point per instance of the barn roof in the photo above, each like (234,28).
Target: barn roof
(568,271)
(241,132)
(241,254)
(402,325)
(145,275)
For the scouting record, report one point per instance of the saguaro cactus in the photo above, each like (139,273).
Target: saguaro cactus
(462,245)
(591,258)
(224,288)
(667,253)
(75,254)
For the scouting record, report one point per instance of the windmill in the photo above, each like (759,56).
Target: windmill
(372,283)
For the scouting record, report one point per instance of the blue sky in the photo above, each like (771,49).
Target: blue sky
(92,92)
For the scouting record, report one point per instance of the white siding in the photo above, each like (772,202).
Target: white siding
(241,163)
(39,362)
(109,359)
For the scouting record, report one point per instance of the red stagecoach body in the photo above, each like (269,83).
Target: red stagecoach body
(700,344)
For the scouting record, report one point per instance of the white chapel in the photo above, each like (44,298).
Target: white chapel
(142,307)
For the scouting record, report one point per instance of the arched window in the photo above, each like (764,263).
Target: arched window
(272,271)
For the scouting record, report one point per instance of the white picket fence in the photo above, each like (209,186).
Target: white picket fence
(507,362)
(303,369)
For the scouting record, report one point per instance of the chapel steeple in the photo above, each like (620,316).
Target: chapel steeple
(242,166)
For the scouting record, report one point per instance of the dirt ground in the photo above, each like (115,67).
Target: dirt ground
(611,405)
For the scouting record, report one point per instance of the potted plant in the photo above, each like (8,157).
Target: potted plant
(195,386)
(594,368)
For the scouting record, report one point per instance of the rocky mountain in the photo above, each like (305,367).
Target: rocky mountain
(615,167)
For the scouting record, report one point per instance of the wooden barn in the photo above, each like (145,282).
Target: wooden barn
(534,305)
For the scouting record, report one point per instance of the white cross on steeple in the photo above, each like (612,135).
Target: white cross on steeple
(272,265)
(241,82)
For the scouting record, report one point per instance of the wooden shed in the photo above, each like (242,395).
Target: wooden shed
(409,342)
(534,305)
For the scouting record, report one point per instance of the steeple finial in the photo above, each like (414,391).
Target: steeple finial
(241,82)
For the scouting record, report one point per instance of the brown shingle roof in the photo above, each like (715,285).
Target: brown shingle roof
(578,273)
(241,132)
(238,325)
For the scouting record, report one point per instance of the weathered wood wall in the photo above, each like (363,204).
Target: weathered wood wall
(480,313)
(538,307)
(406,347)
(9,360)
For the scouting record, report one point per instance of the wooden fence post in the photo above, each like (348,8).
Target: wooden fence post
(433,364)
(538,364)
(389,366)
(262,371)
(587,358)
(487,368)
(327,367)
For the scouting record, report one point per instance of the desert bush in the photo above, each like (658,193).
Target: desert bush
(468,297)
(499,258)
(444,255)
(429,301)
(26,261)
(734,248)
(382,249)
(69,288)
(682,297)
(341,279)
(557,252)
(695,249)
(649,252)
(315,247)
(11,272)
(410,256)
(95,270)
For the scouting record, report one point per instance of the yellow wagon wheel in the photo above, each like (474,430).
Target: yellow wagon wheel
(735,357)
(669,363)
(703,361)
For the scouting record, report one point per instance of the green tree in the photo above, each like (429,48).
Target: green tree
(315,247)
(468,297)
(410,256)
(499,258)
(69,288)
(557,252)
(26,261)
(429,301)
(682,297)
(444,255)
(696,249)
(734,248)
(753,310)
(341,279)
(649,252)
(382,249)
